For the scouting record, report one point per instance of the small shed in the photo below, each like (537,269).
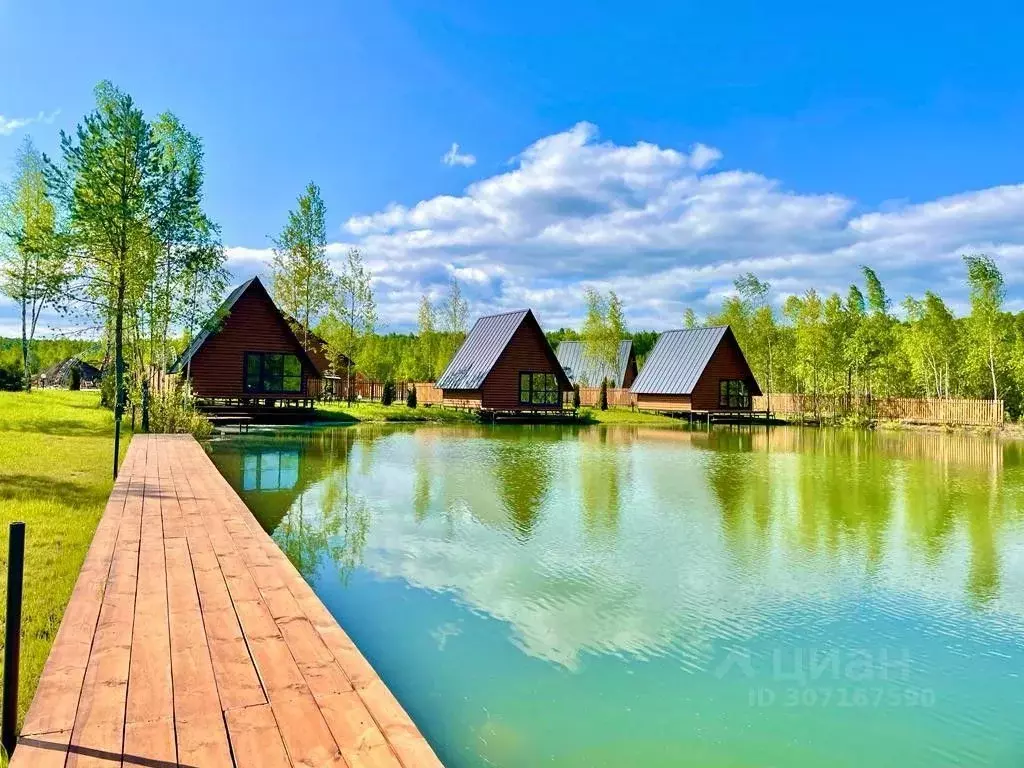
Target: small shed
(63,374)
(248,352)
(697,369)
(588,371)
(505,365)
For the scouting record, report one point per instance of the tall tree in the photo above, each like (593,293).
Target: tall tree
(985,322)
(689,318)
(455,311)
(190,276)
(353,314)
(303,280)
(425,355)
(763,330)
(32,254)
(604,328)
(116,190)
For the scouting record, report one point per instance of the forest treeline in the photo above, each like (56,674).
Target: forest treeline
(865,344)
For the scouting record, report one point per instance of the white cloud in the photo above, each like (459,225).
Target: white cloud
(454,157)
(661,228)
(9,125)
(665,231)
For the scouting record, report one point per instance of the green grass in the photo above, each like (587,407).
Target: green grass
(375,412)
(626,416)
(55,475)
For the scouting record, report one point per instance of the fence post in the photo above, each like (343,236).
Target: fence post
(12,636)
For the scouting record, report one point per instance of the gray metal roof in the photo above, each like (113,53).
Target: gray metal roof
(677,361)
(481,350)
(588,371)
(211,326)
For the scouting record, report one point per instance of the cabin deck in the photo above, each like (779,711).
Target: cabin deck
(190,639)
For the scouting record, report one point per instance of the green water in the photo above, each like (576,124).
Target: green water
(627,597)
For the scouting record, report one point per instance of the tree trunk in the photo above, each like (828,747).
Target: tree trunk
(118,363)
(992,369)
(24,345)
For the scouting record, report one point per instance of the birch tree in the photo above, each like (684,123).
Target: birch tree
(985,324)
(32,253)
(353,315)
(116,191)
(303,282)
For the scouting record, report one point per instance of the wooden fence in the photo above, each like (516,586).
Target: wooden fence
(427,393)
(591,396)
(924,410)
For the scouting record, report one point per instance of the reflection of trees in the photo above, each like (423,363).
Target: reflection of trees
(330,521)
(845,487)
(600,481)
(306,524)
(521,462)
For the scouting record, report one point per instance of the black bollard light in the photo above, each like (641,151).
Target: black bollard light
(12,636)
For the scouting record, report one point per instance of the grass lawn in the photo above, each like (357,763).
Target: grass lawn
(55,475)
(367,411)
(343,413)
(626,416)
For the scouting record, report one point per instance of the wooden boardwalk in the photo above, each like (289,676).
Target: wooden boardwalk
(191,640)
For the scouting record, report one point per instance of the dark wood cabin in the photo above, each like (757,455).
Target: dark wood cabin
(699,369)
(587,371)
(64,374)
(249,354)
(506,365)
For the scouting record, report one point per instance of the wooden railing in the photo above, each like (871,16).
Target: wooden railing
(930,410)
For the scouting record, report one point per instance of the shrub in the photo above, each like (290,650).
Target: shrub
(107,390)
(174,411)
(410,396)
(76,378)
(576,397)
(387,396)
(604,394)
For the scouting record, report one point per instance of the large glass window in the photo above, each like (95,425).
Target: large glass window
(272,372)
(733,393)
(539,389)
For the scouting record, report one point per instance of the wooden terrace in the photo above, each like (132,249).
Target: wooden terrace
(191,640)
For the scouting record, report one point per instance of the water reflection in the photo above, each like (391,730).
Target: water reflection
(519,521)
(607,570)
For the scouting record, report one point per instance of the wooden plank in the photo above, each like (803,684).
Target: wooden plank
(98,734)
(255,738)
(43,750)
(200,733)
(56,701)
(149,716)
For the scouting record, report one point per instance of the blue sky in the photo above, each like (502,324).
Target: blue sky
(658,149)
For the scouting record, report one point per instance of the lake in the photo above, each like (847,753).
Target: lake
(598,596)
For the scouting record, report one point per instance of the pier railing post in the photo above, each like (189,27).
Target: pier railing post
(12,636)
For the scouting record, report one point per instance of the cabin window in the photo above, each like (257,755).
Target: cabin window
(539,389)
(733,393)
(272,372)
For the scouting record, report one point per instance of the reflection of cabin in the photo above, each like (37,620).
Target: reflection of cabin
(698,369)
(270,473)
(588,371)
(63,374)
(248,354)
(506,365)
